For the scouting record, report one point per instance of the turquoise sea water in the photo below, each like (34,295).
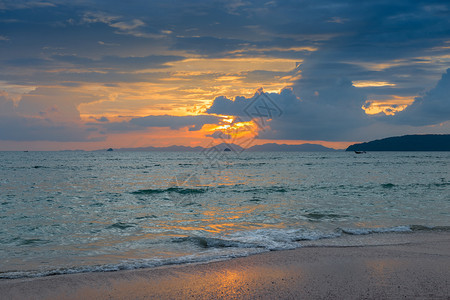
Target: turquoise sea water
(66,212)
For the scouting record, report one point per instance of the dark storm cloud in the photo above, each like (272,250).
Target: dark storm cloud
(17,127)
(303,120)
(194,123)
(211,46)
(432,108)
(343,31)
(30,61)
(119,63)
(330,109)
(258,76)
(174,122)
(225,106)
(106,77)
(44,37)
(102,119)
(6,105)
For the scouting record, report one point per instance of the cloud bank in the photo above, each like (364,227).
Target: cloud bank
(194,123)
(430,109)
(103,60)
(331,109)
(17,127)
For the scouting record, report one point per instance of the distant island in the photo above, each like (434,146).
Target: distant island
(273,147)
(418,142)
(270,147)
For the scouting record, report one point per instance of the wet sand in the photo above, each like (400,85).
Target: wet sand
(392,266)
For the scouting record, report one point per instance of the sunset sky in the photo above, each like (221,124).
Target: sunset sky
(87,74)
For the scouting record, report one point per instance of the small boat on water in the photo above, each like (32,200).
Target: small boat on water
(360,152)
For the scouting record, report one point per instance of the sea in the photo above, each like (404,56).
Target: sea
(78,211)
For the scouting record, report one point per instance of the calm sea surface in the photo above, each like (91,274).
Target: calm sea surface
(67,212)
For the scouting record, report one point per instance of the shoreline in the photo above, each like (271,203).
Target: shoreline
(386,265)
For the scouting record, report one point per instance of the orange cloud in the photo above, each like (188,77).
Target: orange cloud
(370,83)
(188,88)
(387,106)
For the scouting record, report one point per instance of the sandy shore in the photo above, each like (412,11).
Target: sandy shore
(393,266)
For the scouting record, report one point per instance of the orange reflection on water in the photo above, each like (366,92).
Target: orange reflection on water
(221,227)
(221,221)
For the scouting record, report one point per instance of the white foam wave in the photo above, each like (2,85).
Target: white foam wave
(237,244)
(130,265)
(279,239)
(362,231)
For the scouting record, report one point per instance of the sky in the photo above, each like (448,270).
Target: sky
(94,74)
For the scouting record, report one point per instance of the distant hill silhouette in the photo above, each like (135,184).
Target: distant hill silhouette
(419,142)
(290,148)
(236,148)
(163,149)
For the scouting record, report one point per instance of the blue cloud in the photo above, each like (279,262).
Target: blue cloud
(194,123)
(16,127)
(430,109)
(311,119)
(120,63)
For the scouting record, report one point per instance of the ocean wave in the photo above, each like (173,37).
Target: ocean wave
(32,241)
(362,231)
(125,265)
(122,226)
(273,189)
(387,185)
(402,228)
(237,244)
(205,242)
(417,228)
(178,190)
(316,216)
(201,190)
(279,239)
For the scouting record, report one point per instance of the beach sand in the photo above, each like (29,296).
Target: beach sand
(392,266)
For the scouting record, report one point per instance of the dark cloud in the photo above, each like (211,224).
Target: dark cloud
(103,119)
(224,106)
(311,119)
(430,109)
(16,127)
(173,122)
(57,103)
(330,108)
(30,61)
(120,63)
(6,104)
(259,76)
(321,106)
(41,77)
(342,31)
(207,45)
